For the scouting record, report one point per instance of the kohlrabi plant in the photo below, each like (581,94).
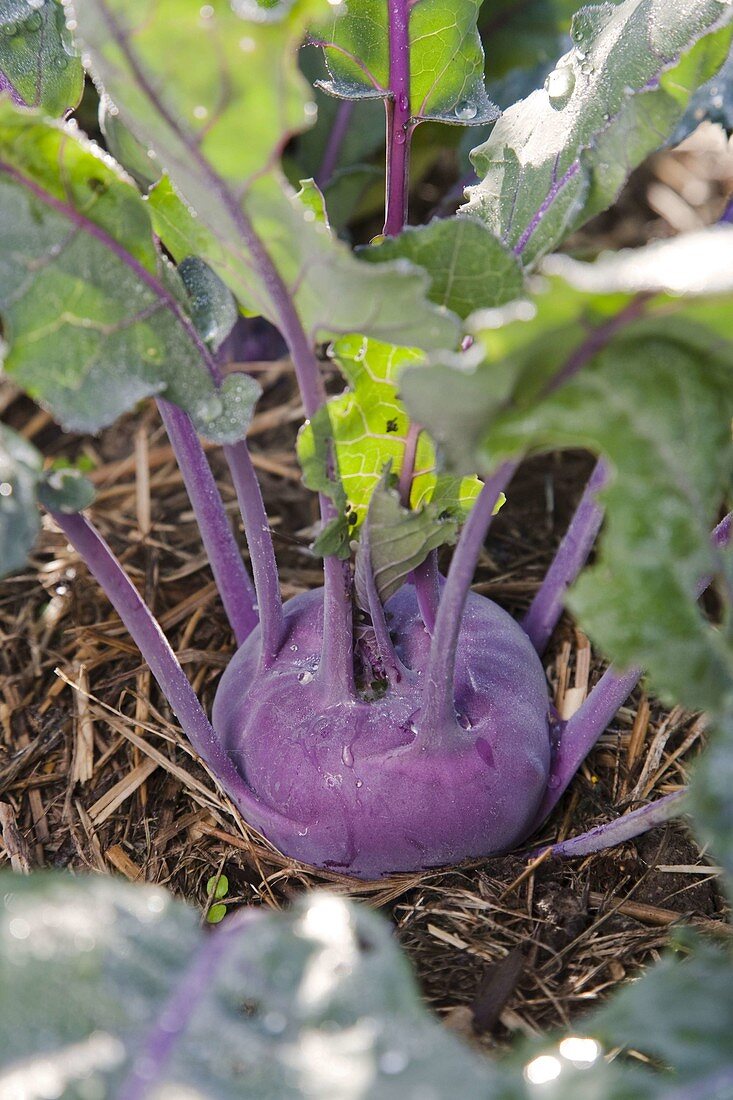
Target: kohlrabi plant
(393,719)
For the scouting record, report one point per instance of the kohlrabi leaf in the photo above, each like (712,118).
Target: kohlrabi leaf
(20,471)
(713,102)
(185,79)
(138,162)
(562,155)
(657,403)
(446,61)
(696,263)
(311,196)
(469,268)
(680,1014)
(398,541)
(710,789)
(183,76)
(23,486)
(110,989)
(39,66)
(65,489)
(370,428)
(315,454)
(340,294)
(94,317)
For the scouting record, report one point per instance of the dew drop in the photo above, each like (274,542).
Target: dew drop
(359,783)
(305,677)
(61,62)
(400,137)
(293,649)
(465,110)
(403,102)
(464,721)
(6,489)
(10,30)
(560,85)
(34,22)
(200,112)
(347,756)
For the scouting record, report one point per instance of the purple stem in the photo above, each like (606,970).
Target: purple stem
(581,732)
(163,663)
(335,142)
(438,708)
(546,607)
(426,579)
(621,828)
(393,666)
(261,551)
(232,579)
(399,122)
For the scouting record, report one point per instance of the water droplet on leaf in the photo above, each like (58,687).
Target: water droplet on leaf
(560,85)
(465,110)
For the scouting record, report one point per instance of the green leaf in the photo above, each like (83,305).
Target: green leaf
(20,470)
(65,490)
(38,64)
(94,316)
(218,886)
(696,263)
(446,58)
(204,63)
(657,403)
(126,149)
(369,427)
(315,454)
(184,84)
(97,975)
(713,102)
(469,268)
(680,1013)
(710,790)
(398,540)
(562,155)
(312,199)
(216,914)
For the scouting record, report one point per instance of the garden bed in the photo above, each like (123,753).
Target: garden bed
(99,779)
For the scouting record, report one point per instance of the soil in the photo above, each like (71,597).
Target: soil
(97,778)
